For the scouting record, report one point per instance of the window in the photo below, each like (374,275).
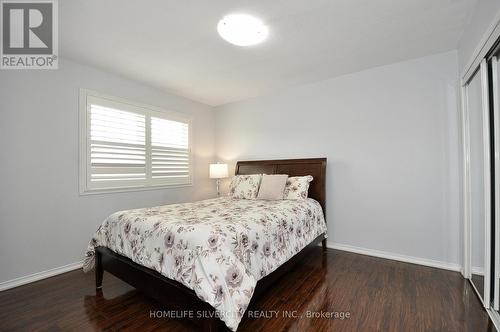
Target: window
(130,146)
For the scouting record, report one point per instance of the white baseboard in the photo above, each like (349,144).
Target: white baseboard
(477,270)
(396,257)
(39,276)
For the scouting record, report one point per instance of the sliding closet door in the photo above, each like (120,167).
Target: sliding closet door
(479,218)
(495,71)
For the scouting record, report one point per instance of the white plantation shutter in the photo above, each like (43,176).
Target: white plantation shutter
(129,146)
(169,150)
(117,147)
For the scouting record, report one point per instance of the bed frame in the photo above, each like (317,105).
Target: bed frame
(176,296)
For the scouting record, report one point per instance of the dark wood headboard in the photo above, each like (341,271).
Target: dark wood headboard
(293,167)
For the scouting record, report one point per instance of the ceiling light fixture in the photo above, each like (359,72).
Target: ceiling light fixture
(242,29)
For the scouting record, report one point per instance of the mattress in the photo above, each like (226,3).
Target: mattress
(219,247)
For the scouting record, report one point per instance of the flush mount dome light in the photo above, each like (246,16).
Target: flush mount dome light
(242,30)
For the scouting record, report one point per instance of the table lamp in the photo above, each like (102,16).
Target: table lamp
(218,171)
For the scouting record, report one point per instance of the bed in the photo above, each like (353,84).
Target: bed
(212,258)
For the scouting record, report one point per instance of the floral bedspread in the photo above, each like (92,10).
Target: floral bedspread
(219,247)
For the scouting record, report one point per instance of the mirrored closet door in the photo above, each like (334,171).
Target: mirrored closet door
(481,185)
(495,107)
(478,186)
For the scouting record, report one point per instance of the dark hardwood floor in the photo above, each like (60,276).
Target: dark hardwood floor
(377,294)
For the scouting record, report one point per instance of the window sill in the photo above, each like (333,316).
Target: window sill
(85,192)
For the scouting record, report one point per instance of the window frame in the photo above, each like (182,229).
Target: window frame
(148,111)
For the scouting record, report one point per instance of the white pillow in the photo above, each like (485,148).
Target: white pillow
(272,187)
(297,187)
(245,186)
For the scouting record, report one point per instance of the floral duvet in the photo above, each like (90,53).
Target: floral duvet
(219,247)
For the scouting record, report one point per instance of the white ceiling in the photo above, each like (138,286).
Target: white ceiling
(174,45)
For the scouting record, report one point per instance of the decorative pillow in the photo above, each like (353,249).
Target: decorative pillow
(245,186)
(272,186)
(297,187)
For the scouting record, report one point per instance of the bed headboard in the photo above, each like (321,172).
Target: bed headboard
(293,167)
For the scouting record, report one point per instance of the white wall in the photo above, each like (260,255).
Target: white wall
(390,134)
(480,21)
(44,223)
(391,138)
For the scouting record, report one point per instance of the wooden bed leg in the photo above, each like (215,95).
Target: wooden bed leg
(98,270)
(211,325)
(323,243)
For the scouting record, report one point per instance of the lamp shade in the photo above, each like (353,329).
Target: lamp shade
(218,171)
